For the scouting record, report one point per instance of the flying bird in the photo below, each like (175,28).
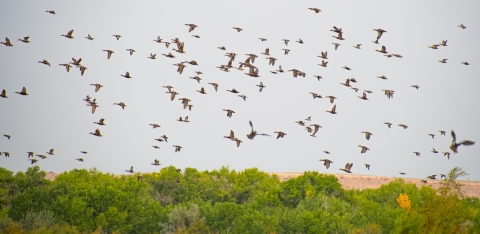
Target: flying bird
(454,146)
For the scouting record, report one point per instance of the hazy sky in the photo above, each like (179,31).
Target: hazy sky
(54,115)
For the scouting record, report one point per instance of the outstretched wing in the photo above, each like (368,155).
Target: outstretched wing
(251,125)
(467,143)
(453,136)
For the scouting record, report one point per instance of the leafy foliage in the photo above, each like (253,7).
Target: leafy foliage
(227,201)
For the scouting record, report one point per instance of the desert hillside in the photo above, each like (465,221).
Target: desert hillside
(471,188)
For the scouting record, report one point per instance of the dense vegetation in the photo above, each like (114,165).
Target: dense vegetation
(226,201)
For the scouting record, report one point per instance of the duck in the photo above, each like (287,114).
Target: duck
(465,63)
(152,56)
(379,33)
(301,123)
(7,136)
(155,126)
(30,154)
(432,177)
(45,62)
(382,77)
(364,148)
(177,148)
(300,41)
(109,53)
(403,126)
(285,41)
(51,12)
(424,181)
(76,62)
(364,96)
(347,83)
(233,91)
(326,162)
(215,86)
(333,109)
(96,133)
(367,134)
(335,29)
(238,29)
(336,45)
(402,173)
(444,43)
(415,86)
(23,92)
(323,55)
(355,89)
(117,36)
(197,78)
(50,152)
(24,40)
(346,68)
(347,168)
(41,156)
(317,127)
(271,61)
(442,176)
(4,94)
(315,9)
(90,37)
(130,170)
(69,34)
(97,87)
(261,86)
(443,60)
(357,46)
(324,63)
(158,40)
(243,97)
(222,47)
(383,50)
(267,52)
(172,95)
(446,154)
(318,77)
(82,70)
(127,75)
(120,104)
(315,95)
(332,98)
(442,132)
(32,160)
(67,66)
(165,138)
(84,152)
(202,91)
(191,27)
(79,159)
(131,51)
(454,146)
(309,129)
(7,154)
(367,166)
(229,112)
(462,26)
(434,151)
(156,162)
(432,135)
(180,68)
(280,134)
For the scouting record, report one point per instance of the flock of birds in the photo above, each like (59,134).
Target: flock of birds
(251,70)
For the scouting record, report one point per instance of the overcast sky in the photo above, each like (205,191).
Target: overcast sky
(54,115)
